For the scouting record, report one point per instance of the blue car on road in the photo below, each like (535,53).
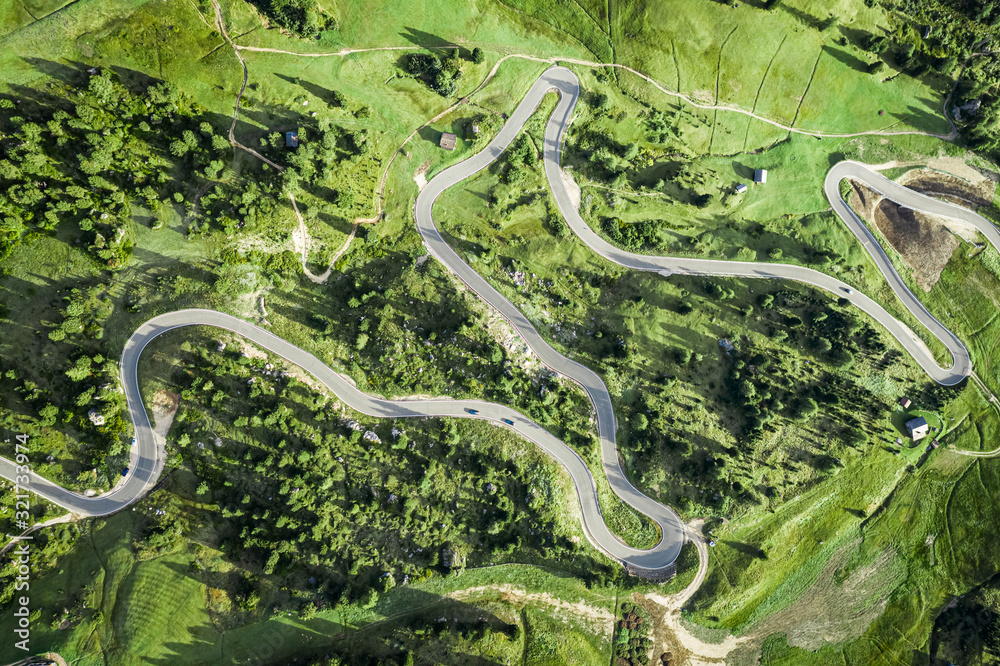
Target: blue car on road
(472,411)
(507,421)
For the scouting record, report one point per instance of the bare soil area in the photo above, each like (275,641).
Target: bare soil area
(924,242)
(420,175)
(571,188)
(165,406)
(977,193)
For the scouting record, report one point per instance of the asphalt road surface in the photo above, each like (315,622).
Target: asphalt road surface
(143,475)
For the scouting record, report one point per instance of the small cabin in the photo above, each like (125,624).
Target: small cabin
(741,188)
(448,140)
(760,176)
(291,139)
(917,428)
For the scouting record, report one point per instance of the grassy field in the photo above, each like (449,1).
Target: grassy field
(786,64)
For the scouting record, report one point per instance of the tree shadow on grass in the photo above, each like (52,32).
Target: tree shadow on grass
(807,20)
(846,58)
(326,95)
(424,39)
(928,118)
(75,73)
(858,38)
(747,549)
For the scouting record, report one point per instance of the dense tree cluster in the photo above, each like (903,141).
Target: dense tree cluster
(969,631)
(322,153)
(632,642)
(766,391)
(607,160)
(516,166)
(303,17)
(91,405)
(86,159)
(436,346)
(47,546)
(88,156)
(440,74)
(80,161)
(936,37)
(633,236)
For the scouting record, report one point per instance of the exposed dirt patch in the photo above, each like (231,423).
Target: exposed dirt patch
(924,244)
(420,175)
(976,194)
(601,620)
(572,189)
(673,643)
(863,200)
(960,168)
(164,406)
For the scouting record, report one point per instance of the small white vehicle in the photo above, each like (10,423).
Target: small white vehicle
(133,441)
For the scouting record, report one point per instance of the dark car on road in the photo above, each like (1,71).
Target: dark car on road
(507,421)
(125,472)
(472,411)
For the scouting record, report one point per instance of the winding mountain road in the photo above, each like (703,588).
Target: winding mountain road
(562,80)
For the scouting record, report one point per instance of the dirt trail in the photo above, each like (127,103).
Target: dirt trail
(300,239)
(690,99)
(670,635)
(221,26)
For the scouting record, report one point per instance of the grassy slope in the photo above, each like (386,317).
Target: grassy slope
(775,62)
(965,299)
